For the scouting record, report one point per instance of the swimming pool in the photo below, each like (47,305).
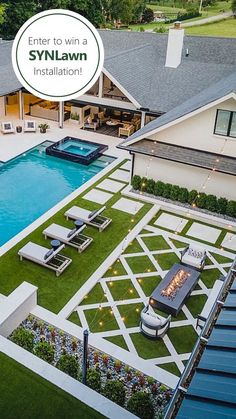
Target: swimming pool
(34,182)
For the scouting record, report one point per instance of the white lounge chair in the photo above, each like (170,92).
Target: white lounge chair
(29,126)
(153,326)
(49,258)
(7,128)
(194,256)
(70,237)
(93,218)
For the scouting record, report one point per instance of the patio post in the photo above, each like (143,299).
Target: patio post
(21,104)
(61,114)
(85,356)
(143,116)
(100,89)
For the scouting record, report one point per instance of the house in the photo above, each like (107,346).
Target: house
(172,96)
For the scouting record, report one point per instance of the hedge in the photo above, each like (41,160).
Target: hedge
(176,193)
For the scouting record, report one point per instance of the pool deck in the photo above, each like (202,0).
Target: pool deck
(12,145)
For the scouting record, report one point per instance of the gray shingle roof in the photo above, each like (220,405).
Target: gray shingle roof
(8,81)
(212,93)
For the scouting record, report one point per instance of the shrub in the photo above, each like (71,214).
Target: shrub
(174,193)
(201,200)
(94,379)
(44,351)
(136,182)
(221,205)
(192,196)
(167,190)
(69,365)
(141,29)
(23,338)
(144,184)
(141,405)
(231,209)
(211,203)
(115,391)
(183,195)
(160,29)
(150,186)
(159,188)
(148,15)
(189,14)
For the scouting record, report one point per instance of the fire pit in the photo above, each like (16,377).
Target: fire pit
(174,289)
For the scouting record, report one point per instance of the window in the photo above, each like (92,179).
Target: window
(225,123)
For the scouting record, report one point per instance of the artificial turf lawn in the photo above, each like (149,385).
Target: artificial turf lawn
(122,289)
(209,276)
(149,283)
(140,264)
(195,304)
(221,258)
(96,295)
(183,338)
(148,348)
(155,243)
(117,269)
(100,320)
(74,318)
(171,367)
(181,315)
(53,292)
(133,247)
(130,314)
(118,340)
(167,260)
(178,244)
(26,395)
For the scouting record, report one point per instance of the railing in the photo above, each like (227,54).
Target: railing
(181,388)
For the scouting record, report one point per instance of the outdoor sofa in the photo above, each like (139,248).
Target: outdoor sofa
(194,256)
(93,218)
(29,126)
(7,128)
(49,258)
(69,237)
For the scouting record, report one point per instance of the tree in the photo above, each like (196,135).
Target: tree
(122,10)
(51,4)
(148,15)
(233,7)
(138,9)
(16,12)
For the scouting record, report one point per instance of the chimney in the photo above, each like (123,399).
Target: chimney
(175,46)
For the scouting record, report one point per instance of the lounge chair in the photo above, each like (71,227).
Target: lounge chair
(49,258)
(30,126)
(70,237)
(194,256)
(7,128)
(92,218)
(153,326)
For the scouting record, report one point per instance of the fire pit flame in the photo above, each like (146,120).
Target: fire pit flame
(175,284)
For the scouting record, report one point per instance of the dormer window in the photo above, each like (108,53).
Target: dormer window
(225,123)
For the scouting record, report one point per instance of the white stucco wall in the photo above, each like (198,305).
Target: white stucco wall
(2,106)
(187,176)
(197,132)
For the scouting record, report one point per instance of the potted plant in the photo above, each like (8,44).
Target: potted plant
(74,118)
(43,128)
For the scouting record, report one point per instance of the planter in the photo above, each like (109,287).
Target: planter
(74,121)
(43,130)
(18,129)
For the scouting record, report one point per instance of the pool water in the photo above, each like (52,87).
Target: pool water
(77,147)
(34,182)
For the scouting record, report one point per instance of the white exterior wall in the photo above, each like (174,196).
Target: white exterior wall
(187,176)
(197,132)
(2,106)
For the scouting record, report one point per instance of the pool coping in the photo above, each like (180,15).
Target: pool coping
(52,211)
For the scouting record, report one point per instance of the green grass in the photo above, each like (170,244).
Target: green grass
(195,304)
(122,290)
(166,260)
(149,283)
(119,341)
(209,277)
(133,247)
(26,395)
(140,264)
(178,244)
(171,367)
(155,243)
(221,258)
(117,269)
(131,314)
(148,348)
(224,28)
(100,320)
(183,338)
(181,315)
(53,292)
(96,295)
(74,318)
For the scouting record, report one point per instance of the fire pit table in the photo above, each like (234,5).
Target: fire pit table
(174,289)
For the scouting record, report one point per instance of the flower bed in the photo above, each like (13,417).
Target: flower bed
(104,374)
